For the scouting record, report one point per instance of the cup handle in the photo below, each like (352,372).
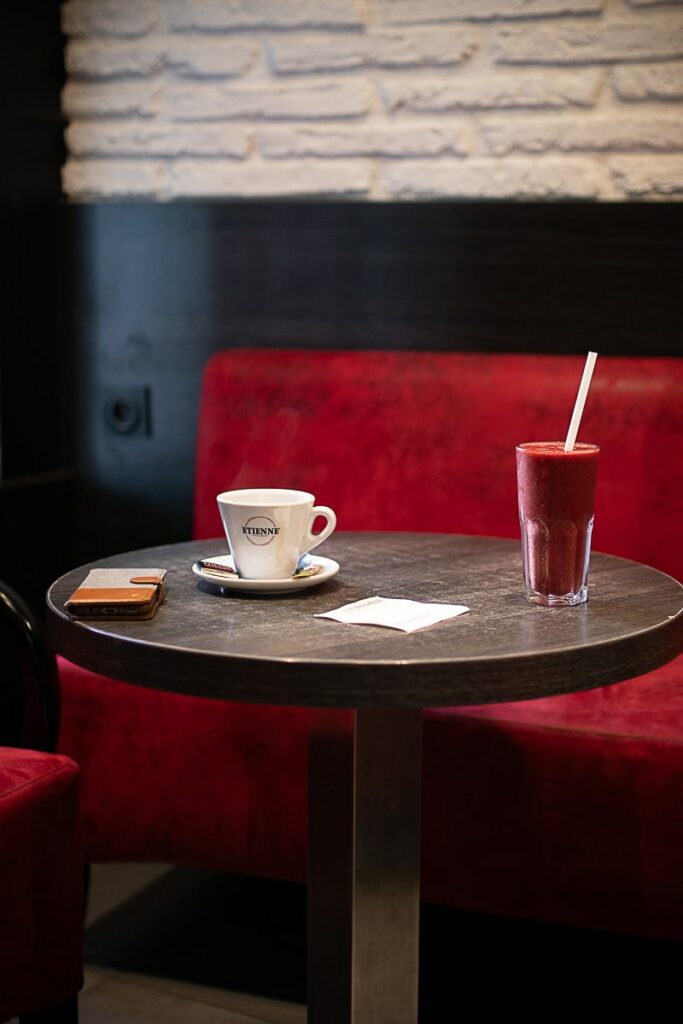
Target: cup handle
(313,539)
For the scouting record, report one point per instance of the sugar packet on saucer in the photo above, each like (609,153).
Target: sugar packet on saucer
(394,613)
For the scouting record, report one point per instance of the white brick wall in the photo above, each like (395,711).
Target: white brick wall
(379,99)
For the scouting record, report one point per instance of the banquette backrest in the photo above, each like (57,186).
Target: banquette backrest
(425,440)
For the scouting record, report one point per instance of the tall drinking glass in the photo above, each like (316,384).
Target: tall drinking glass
(556,494)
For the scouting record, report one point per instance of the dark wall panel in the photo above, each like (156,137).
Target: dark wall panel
(31,76)
(157,288)
(35,400)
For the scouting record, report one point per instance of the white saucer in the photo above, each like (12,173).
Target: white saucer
(329,569)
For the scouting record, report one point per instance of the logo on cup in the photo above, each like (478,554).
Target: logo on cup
(260,530)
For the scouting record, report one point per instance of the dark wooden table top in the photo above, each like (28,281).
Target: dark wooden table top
(270,649)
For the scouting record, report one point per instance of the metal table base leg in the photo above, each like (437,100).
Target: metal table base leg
(364,866)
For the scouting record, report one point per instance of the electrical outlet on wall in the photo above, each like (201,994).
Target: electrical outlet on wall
(128,411)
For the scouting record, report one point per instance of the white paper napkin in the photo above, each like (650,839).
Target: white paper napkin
(394,613)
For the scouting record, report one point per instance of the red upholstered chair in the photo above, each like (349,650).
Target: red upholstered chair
(41,856)
(41,904)
(564,810)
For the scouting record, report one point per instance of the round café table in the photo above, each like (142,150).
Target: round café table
(369,684)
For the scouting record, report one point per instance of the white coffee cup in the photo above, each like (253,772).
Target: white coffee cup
(269,528)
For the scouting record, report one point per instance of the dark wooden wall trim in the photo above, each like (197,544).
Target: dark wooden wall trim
(155,289)
(546,277)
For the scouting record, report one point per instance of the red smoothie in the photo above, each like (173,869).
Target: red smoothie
(556,492)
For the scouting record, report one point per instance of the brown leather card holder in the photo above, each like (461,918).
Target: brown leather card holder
(112,593)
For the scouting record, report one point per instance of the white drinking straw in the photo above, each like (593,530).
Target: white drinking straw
(580,402)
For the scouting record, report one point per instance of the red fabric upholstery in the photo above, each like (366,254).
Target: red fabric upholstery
(562,809)
(41,865)
(186,780)
(426,441)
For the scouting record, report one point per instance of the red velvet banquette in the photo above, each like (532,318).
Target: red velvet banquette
(563,809)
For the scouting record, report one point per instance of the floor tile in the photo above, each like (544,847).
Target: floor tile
(274,1011)
(119,1001)
(94,976)
(209,929)
(112,884)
